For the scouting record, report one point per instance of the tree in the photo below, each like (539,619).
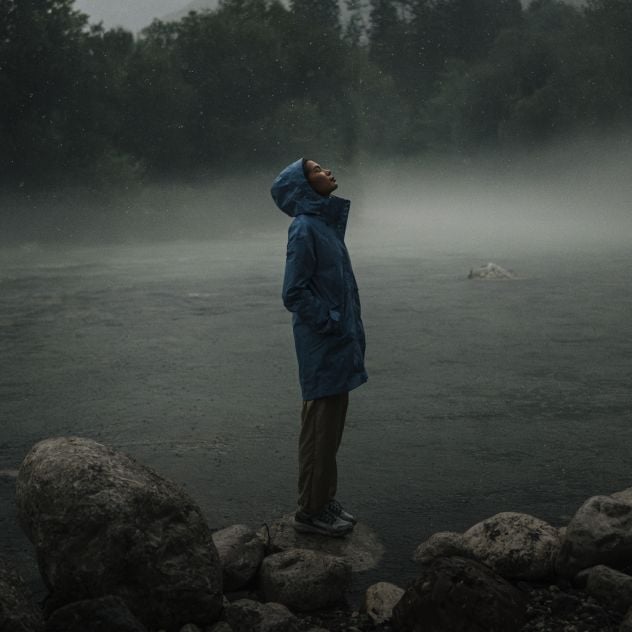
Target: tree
(40,51)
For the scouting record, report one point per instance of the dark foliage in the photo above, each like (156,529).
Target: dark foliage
(257,80)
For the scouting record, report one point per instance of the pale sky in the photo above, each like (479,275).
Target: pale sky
(136,14)
(131,14)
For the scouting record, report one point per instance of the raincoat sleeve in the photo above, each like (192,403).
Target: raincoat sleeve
(298,293)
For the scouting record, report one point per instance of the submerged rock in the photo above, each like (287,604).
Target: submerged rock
(103,524)
(362,548)
(489,272)
(304,580)
(455,594)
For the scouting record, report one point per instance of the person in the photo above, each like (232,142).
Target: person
(320,290)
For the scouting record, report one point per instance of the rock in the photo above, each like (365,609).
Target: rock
(103,614)
(304,580)
(103,524)
(491,271)
(362,548)
(190,627)
(608,586)
(441,544)
(626,624)
(599,533)
(240,551)
(380,599)
(515,545)
(18,611)
(220,626)
(624,495)
(251,616)
(455,594)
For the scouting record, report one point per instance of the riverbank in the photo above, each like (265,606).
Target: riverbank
(115,539)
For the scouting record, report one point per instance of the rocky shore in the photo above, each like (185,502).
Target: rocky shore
(121,549)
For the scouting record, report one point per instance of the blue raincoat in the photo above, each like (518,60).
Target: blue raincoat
(319,288)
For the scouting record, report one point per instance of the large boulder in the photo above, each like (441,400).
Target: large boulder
(103,614)
(104,524)
(241,552)
(18,611)
(599,533)
(246,615)
(362,548)
(304,580)
(455,594)
(515,545)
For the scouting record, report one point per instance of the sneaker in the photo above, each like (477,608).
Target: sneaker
(336,508)
(324,522)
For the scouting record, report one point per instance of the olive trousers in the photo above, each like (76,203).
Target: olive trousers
(322,425)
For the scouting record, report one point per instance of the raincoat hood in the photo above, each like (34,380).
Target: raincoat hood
(294,195)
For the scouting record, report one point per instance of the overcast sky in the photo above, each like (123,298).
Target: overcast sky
(131,14)
(136,14)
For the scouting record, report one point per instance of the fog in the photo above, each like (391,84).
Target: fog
(571,196)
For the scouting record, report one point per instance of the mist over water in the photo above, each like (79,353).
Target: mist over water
(168,339)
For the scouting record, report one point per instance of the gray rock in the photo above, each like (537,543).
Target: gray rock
(240,551)
(190,627)
(441,544)
(220,626)
(608,586)
(455,594)
(103,524)
(626,623)
(103,614)
(380,599)
(18,611)
(515,545)
(491,271)
(599,533)
(246,615)
(361,548)
(304,580)
(624,495)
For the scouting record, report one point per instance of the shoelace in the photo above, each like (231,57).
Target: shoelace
(327,516)
(334,506)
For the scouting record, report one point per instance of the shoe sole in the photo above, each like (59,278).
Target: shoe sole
(353,521)
(308,528)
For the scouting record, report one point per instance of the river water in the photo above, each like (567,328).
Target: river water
(483,396)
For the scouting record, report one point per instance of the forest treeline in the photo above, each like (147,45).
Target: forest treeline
(256,80)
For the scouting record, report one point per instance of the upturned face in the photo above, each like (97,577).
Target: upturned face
(320,179)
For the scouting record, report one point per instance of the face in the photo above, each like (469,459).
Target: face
(320,179)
